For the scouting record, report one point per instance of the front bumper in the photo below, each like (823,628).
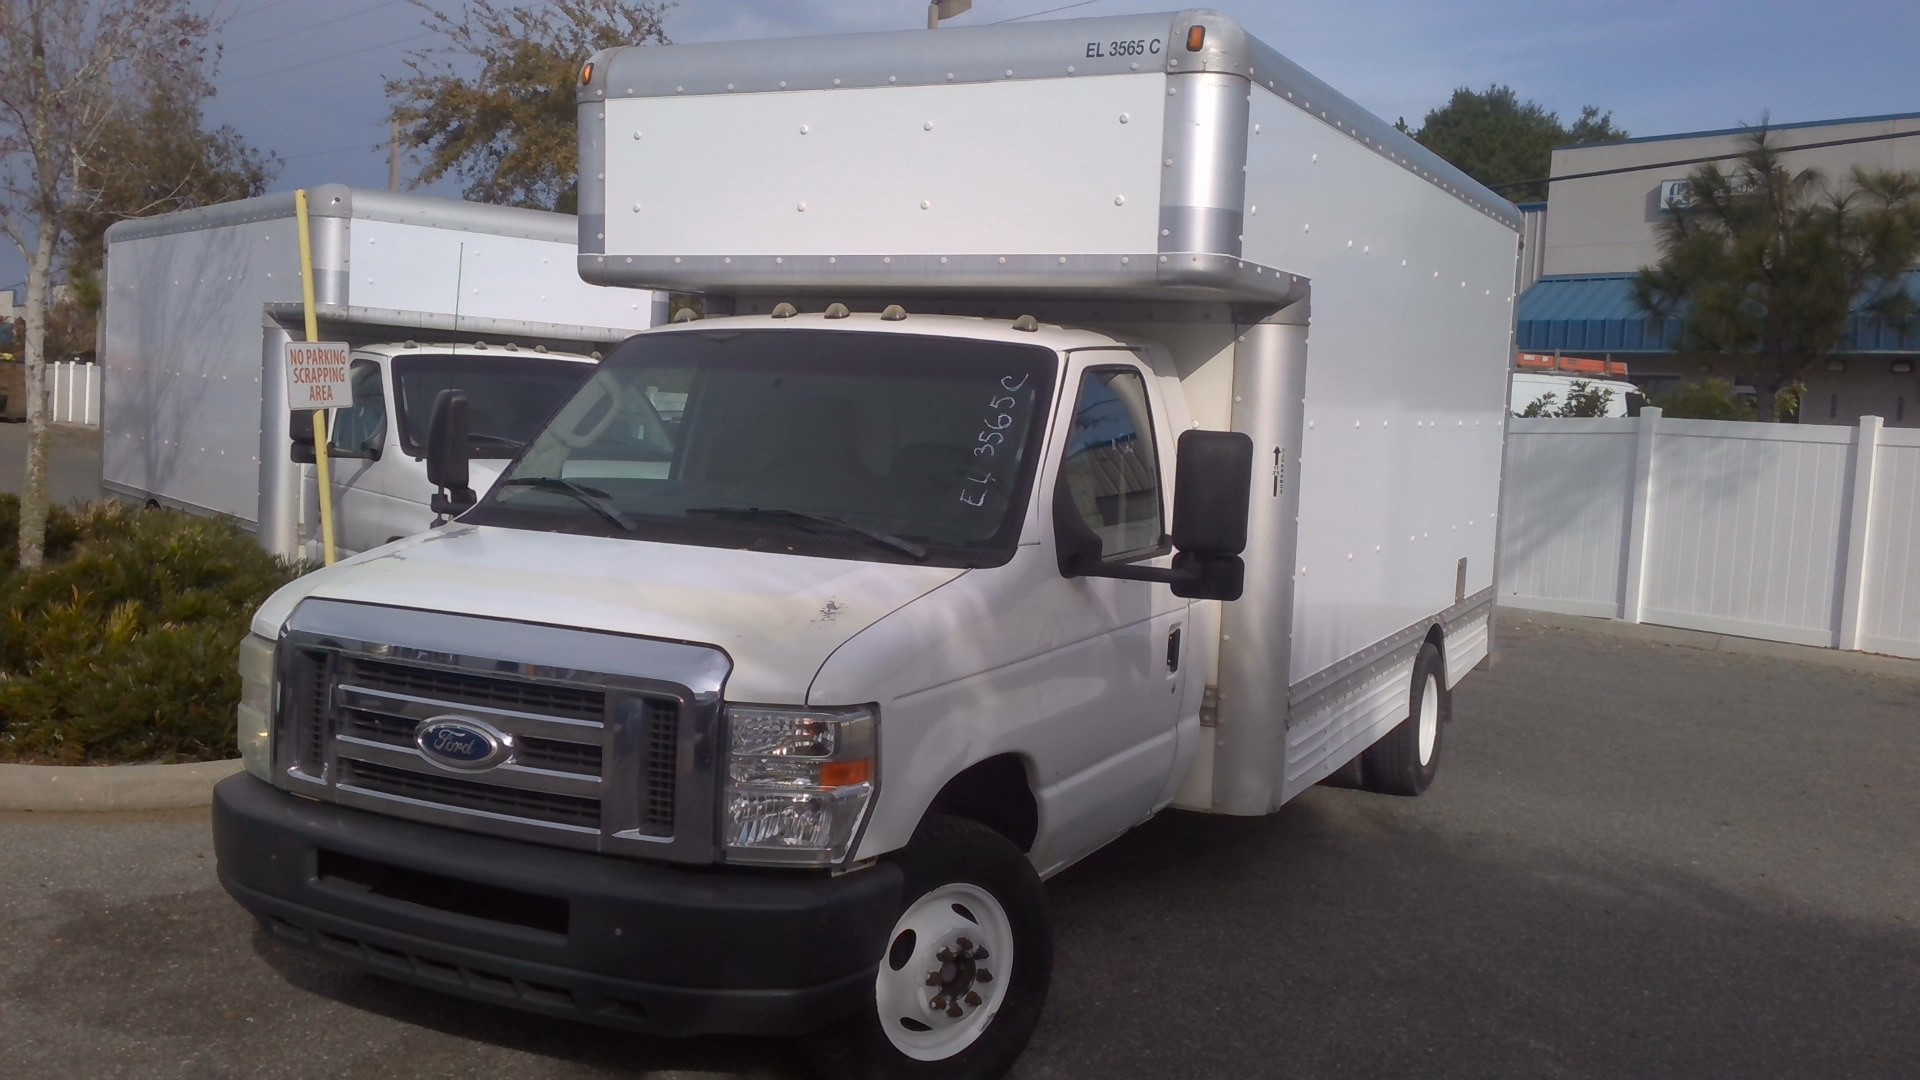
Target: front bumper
(659,949)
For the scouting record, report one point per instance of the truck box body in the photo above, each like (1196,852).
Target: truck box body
(190,380)
(1191,194)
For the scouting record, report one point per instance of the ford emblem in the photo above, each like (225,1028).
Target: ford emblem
(461,742)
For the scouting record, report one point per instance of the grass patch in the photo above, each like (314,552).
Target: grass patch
(122,647)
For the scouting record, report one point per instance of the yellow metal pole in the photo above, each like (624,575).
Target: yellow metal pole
(319,415)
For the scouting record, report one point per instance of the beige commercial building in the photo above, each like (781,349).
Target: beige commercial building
(1599,227)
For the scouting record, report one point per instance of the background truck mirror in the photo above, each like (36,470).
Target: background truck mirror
(1212,484)
(300,431)
(447,453)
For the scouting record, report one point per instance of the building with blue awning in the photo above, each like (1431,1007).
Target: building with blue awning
(1597,230)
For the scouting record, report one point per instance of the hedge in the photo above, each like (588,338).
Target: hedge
(122,646)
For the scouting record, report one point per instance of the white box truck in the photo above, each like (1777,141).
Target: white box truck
(1110,420)
(431,293)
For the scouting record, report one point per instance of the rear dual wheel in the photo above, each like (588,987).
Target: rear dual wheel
(960,986)
(1406,759)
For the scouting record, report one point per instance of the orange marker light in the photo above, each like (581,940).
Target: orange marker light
(586,74)
(839,774)
(1196,38)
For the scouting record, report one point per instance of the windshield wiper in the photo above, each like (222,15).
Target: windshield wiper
(593,498)
(916,551)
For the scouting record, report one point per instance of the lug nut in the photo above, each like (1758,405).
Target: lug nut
(980,953)
(971,998)
(954,1012)
(964,944)
(945,956)
(983,975)
(939,1002)
(933,978)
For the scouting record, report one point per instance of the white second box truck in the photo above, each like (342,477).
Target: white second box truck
(1110,420)
(431,294)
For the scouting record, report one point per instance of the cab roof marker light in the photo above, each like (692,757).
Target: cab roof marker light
(586,73)
(1196,38)
(893,313)
(784,310)
(837,311)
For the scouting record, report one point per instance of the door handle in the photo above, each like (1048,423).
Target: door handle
(1173,649)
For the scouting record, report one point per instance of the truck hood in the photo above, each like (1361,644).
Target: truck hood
(777,616)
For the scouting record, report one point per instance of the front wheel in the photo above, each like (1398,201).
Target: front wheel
(965,971)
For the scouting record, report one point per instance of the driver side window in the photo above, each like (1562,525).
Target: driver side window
(1110,468)
(360,429)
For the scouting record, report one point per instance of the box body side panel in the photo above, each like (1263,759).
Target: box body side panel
(1406,379)
(1066,166)
(399,266)
(182,350)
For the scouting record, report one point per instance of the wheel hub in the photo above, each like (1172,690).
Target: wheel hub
(962,965)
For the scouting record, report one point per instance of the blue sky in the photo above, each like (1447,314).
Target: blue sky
(303,77)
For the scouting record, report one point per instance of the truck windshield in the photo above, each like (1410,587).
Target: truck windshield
(508,396)
(889,447)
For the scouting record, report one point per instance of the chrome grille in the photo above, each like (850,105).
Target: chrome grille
(546,699)
(466,794)
(588,766)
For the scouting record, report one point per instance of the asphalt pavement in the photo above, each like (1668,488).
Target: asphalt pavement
(1639,860)
(73,461)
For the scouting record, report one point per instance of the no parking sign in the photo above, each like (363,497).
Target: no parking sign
(317,375)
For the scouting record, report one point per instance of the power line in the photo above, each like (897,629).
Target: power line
(333,150)
(1703,160)
(323,60)
(1049,11)
(315,26)
(268,6)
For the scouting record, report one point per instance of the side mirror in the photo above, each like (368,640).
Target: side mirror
(1214,481)
(1213,489)
(447,454)
(1636,402)
(300,431)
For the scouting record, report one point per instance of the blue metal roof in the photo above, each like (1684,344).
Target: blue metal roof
(1743,129)
(1597,313)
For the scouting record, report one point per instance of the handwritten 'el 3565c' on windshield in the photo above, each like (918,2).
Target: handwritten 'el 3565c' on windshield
(1002,409)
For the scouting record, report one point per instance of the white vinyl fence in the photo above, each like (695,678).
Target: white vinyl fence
(1789,532)
(75,392)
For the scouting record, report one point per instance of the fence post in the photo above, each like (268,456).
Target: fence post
(1633,578)
(1853,589)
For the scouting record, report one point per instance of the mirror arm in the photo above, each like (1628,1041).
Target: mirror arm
(1164,575)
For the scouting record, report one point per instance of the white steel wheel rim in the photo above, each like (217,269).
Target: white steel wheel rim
(1429,719)
(951,928)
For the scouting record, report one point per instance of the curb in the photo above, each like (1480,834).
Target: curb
(1513,618)
(63,788)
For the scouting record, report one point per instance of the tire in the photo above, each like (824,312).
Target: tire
(1406,759)
(968,891)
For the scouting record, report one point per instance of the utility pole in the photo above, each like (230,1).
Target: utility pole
(945,9)
(393,158)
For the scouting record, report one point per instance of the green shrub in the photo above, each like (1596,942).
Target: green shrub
(122,646)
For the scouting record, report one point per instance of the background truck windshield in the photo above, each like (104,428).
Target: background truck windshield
(508,396)
(840,444)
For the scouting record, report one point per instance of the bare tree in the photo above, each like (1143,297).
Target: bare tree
(67,65)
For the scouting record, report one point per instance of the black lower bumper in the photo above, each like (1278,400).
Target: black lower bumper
(664,950)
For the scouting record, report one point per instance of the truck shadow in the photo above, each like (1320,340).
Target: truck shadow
(1351,935)
(605,1051)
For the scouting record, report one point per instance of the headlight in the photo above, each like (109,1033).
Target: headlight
(798,782)
(255,715)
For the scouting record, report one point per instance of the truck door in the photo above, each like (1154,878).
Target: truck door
(1130,666)
(371,500)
